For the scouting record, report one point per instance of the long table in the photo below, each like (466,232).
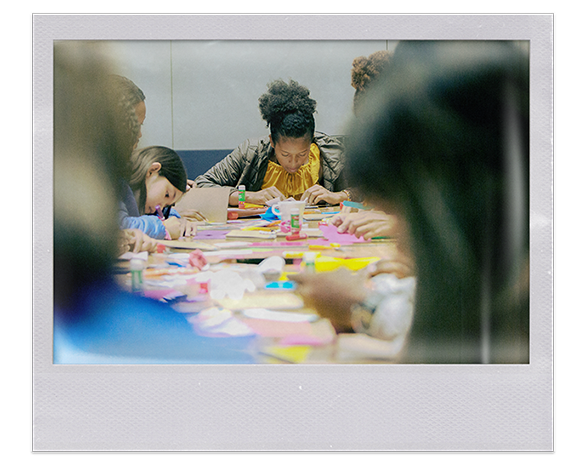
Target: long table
(282,328)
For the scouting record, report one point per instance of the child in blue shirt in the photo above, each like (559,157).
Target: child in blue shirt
(158,180)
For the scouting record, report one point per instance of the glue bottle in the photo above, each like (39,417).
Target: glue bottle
(136,267)
(241,196)
(309,262)
(295,220)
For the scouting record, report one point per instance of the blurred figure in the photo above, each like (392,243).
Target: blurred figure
(365,72)
(128,111)
(126,93)
(89,156)
(95,321)
(129,100)
(443,143)
(377,301)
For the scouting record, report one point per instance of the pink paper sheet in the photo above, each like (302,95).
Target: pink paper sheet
(276,329)
(276,244)
(330,232)
(211,234)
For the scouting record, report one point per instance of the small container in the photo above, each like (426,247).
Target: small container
(309,262)
(136,267)
(295,220)
(241,196)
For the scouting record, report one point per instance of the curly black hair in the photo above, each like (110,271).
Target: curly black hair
(288,110)
(365,72)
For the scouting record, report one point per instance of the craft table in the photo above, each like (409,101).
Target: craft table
(290,339)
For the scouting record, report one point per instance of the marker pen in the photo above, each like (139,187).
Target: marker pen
(161,217)
(159,213)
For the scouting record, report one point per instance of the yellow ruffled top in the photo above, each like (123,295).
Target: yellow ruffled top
(294,185)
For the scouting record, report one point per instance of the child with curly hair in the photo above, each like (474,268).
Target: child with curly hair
(365,72)
(292,161)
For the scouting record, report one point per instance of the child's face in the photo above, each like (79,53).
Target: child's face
(160,192)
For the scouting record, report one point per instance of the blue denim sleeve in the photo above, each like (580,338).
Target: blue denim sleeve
(148,224)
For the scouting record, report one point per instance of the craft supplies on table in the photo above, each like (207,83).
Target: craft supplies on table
(237,291)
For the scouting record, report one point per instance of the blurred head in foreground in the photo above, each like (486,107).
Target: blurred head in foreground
(92,145)
(443,141)
(95,320)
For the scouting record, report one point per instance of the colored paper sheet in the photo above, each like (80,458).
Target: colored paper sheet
(310,232)
(330,233)
(281,316)
(269,215)
(211,234)
(216,322)
(186,244)
(276,244)
(260,235)
(278,329)
(264,300)
(292,354)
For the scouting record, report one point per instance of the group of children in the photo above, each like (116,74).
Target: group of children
(438,145)
(293,161)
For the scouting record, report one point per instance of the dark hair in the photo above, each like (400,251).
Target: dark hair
(125,95)
(126,89)
(90,158)
(172,168)
(288,110)
(445,141)
(365,71)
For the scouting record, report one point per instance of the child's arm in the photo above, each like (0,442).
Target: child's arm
(148,224)
(174,213)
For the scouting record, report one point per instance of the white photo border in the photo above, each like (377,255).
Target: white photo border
(296,407)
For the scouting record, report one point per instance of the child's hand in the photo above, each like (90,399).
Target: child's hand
(368,224)
(179,227)
(332,294)
(189,228)
(400,266)
(136,241)
(258,197)
(193,215)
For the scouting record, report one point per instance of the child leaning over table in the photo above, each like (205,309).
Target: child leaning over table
(158,180)
(377,301)
(444,144)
